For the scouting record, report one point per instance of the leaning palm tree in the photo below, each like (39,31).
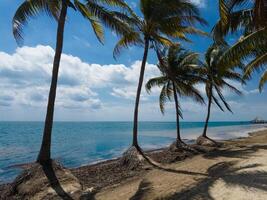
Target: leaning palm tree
(160,22)
(95,12)
(217,76)
(179,74)
(250,17)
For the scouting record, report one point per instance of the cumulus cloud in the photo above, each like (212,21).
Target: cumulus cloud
(25,76)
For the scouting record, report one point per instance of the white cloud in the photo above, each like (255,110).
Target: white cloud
(200,3)
(125,93)
(25,76)
(82,89)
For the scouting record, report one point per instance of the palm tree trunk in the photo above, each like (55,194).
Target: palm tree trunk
(140,83)
(45,151)
(208,115)
(177,114)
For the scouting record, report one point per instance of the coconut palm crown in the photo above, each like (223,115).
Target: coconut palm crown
(250,18)
(96,12)
(218,78)
(240,15)
(179,75)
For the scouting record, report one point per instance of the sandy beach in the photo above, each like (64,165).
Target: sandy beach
(237,170)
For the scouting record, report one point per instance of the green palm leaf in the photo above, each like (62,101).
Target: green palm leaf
(96,25)
(263,80)
(32,8)
(179,69)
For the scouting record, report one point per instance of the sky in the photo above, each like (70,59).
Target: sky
(92,85)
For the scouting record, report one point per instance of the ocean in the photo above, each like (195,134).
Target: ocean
(80,143)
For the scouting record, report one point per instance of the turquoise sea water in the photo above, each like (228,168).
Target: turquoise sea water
(80,143)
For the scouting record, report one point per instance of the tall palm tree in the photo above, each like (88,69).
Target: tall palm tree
(250,17)
(217,78)
(161,21)
(179,74)
(95,12)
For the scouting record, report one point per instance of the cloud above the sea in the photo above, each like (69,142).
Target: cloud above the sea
(25,79)
(86,91)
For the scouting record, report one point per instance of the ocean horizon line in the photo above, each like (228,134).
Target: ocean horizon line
(127,121)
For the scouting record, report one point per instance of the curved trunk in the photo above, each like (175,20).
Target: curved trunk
(177,114)
(45,151)
(208,115)
(140,83)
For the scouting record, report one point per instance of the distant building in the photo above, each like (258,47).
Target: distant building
(258,120)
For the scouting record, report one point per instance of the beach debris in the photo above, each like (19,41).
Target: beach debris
(133,158)
(205,141)
(51,181)
(180,146)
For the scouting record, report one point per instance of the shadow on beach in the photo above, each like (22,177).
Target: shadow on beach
(54,182)
(243,176)
(223,171)
(230,175)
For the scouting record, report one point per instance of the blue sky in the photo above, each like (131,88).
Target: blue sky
(92,85)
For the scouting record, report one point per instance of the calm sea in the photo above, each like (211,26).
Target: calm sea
(80,143)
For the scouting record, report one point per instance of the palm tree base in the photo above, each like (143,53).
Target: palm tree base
(44,162)
(50,181)
(206,141)
(178,146)
(133,158)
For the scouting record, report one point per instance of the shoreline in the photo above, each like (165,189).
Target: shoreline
(187,141)
(147,151)
(108,174)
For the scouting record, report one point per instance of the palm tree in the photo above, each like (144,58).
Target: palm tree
(179,74)
(217,77)
(245,15)
(93,11)
(251,18)
(160,22)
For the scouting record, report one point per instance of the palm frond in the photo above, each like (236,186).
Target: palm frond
(126,41)
(108,18)
(158,81)
(32,8)
(255,64)
(217,103)
(242,49)
(162,99)
(263,80)
(96,25)
(232,88)
(223,99)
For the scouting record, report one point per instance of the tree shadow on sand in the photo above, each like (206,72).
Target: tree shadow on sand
(54,182)
(232,176)
(159,167)
(143,188)
(244,152)
(37,181)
